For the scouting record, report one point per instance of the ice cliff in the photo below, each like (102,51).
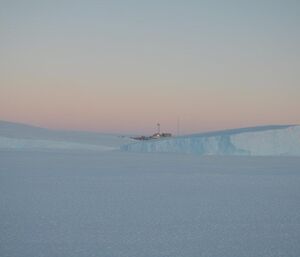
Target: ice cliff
(256,141)
(16,136)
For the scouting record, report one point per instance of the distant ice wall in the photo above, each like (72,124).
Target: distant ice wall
(7,143)
(259,141)
(16,136)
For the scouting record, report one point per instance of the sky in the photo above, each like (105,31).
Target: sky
(122,66)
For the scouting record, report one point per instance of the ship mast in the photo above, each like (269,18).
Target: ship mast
(158,128)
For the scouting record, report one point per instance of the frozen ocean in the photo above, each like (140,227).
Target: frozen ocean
(77,194)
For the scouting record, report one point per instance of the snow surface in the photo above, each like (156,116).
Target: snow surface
(118,204)
(257,141)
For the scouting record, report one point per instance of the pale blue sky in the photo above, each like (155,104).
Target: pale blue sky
(124,65)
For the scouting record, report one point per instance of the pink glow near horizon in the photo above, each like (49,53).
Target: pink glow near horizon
(134,114)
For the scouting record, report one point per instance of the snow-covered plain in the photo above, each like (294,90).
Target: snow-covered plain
(111,203)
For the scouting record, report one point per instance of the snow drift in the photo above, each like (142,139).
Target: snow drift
(16,136)
(256,141)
